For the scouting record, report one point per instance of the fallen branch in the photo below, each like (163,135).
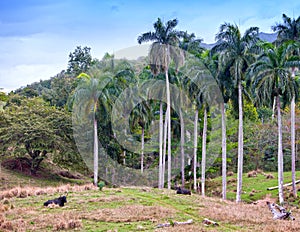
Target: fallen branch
(285,185)
(279,212)
(190,221)
(208,222)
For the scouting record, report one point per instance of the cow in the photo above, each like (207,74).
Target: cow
(57,201)
(183,191)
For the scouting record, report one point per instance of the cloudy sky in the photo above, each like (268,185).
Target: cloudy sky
(36,36)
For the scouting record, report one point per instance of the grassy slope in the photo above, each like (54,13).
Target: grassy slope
(10,179)
(135,209)
(254,188)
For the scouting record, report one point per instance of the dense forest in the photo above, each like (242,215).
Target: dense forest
(184,113)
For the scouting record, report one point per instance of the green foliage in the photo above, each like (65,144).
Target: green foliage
(101,184)
(249,111)
(34,129)
(80,60)
(3,97)
(264,113)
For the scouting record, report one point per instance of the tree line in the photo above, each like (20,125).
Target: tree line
(256,80)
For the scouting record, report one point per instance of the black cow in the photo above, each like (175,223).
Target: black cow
(57,201)
(183,191)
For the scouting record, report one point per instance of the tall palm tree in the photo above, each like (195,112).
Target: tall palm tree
(235,52)
(271,77)
(163,49)
(190,44)
(219,72)
(179,99)
(199,91)
(289,30)
(87,97)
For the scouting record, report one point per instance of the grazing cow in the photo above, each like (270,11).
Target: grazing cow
(57,201)
(183,191)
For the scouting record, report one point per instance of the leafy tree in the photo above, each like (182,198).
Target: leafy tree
(34,129)
(80,60)
(235,53)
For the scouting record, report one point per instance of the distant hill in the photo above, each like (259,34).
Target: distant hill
(269,37)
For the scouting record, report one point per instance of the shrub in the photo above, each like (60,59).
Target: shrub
(101,184)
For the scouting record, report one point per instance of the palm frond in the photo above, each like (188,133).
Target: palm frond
(146,37)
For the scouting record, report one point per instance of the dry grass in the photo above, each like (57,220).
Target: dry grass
(248,217)
(136,209)
(23,192)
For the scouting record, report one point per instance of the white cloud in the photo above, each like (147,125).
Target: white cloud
(21,75)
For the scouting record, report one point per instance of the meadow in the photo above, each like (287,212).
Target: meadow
(136,208)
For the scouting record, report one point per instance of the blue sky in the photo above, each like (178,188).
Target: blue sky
(36,36)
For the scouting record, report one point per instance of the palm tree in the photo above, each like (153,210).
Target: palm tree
(179,99)
(86,96)
(271,77)
(193,46)
(165,38)
(235,52)
(225,84)
(290,31)
(190,44)
(199,87)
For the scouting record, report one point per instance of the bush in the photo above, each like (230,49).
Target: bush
(101,184)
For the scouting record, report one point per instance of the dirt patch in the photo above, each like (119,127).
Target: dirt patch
(18,164)
(69,175)
(263,202)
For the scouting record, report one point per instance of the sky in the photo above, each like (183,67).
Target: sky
(37,36)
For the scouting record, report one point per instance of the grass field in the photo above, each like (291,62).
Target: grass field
(135,209)
(254,188)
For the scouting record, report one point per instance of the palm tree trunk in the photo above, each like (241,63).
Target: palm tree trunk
(293,141)
(142,155)
(203,162)
(280,153)
(124,157)
(273,109)
(182,148)
(224,156)
(161,124)
(240,145)
(165,147)
(169,129)
(95,152)
(293,150)
(195,148)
